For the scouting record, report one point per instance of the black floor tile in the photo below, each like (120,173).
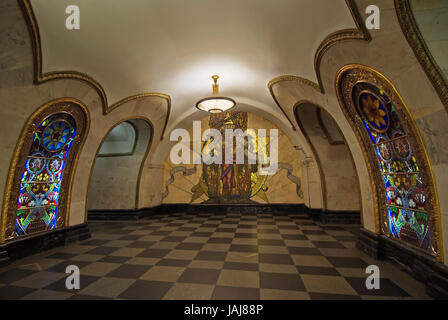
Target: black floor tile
(243,248)
(129,271)
(62,256)
(154,253)
(60,285)
(388,288)
(102,250)
(146,290)
(328,244)
(326,296)
(304,251)
(203,276)
(141,244)
(271,242)
(190,246)
(275,258)
(231,293)
(14,275)
(211,256)
(14,293)
(281,281)
(61,267)
(241,266)
(220,240)
(347,262)
(321,271)
(173,263)
(114,259)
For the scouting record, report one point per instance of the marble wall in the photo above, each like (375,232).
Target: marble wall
(432,19)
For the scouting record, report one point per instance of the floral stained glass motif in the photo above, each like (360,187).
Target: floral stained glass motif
(406,204)
(37,203)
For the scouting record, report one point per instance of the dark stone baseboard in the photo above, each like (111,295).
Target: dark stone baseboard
(420,265)
(22,247)
(325,217)
(277,209)
(368,242)
(335,217)
(117,214)
(4,259)
(197,209)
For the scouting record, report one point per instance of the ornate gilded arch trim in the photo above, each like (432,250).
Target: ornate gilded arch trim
(142,165)
(417,43)
(356,34)
(288,78)
(40,77)
(64,105)
(362,73)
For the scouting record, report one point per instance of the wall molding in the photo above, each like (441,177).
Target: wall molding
(417,42)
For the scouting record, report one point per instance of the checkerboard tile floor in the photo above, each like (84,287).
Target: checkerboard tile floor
(208,256)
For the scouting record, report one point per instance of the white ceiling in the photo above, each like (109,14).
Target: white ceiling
(174,46)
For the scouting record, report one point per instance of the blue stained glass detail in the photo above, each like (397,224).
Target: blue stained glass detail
(37,203)
(406,205)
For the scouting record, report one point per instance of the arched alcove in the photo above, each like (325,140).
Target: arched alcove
(115,177)
(335,162)
(40,179)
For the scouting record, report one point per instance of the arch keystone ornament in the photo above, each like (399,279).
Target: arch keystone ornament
(37,195)
(406,202)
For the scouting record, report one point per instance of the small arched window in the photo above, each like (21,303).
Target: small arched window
(121,141)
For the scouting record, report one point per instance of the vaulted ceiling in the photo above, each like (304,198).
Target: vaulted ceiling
(174,46)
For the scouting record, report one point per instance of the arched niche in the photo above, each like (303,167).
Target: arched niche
(340,183)
(407,207)
(39,184)
(115,177)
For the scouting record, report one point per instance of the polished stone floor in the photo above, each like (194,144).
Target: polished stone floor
(209,256)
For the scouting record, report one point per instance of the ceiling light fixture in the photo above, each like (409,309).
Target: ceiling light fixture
(215,103)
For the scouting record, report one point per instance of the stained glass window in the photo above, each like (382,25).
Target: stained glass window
(40,185)
(406,197)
